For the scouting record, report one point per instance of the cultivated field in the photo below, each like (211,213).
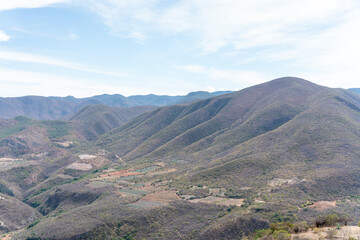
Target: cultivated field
(219,201)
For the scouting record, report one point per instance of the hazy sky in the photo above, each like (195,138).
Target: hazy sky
(88,47)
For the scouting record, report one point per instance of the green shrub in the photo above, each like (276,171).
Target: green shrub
(33,224)
(286,226)
(281,235)
(263,233)
(331,220)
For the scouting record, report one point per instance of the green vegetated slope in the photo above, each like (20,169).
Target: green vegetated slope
(15,214)
(288,128)
(34,156)
(95,120)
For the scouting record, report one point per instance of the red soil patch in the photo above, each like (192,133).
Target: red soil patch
(118,174)
(323,205)
(163,197)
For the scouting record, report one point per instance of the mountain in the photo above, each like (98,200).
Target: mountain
(356,90)
(61,108)
(118,100)
(217,168)
(95,120)
(261,108)
(283,128)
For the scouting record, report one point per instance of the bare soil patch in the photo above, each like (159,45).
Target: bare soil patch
(10,159)
(156,199)
(323,205)
(87,156)
(80,166)
(64,144)
(219,201)
(164,197)
(6,237)
(344,232)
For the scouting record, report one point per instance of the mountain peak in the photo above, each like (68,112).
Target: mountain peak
(286,81)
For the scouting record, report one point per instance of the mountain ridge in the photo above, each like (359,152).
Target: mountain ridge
(62,108)
(224,130)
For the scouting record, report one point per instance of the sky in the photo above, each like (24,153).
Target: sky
(134,47)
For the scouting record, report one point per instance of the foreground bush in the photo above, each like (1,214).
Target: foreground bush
(281,235)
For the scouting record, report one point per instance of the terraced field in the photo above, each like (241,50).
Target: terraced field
(219,201)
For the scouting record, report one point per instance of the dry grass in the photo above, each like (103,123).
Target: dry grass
(344,232)
(156,199)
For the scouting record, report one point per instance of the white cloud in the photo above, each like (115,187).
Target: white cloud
(218,23)
(314,38)
(317,39)
(33,58)
(13,4)
(4,37)
(16,83)
(125,17)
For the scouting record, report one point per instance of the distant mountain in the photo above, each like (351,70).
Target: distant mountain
(60,108)
(356,90)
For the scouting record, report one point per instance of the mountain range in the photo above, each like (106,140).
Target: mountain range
(212,168)
(61,108)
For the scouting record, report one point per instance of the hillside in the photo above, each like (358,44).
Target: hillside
(281,129)
(20,216)
(247,113)
(61,108)
(218,168)
(95,120)
(356,90)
